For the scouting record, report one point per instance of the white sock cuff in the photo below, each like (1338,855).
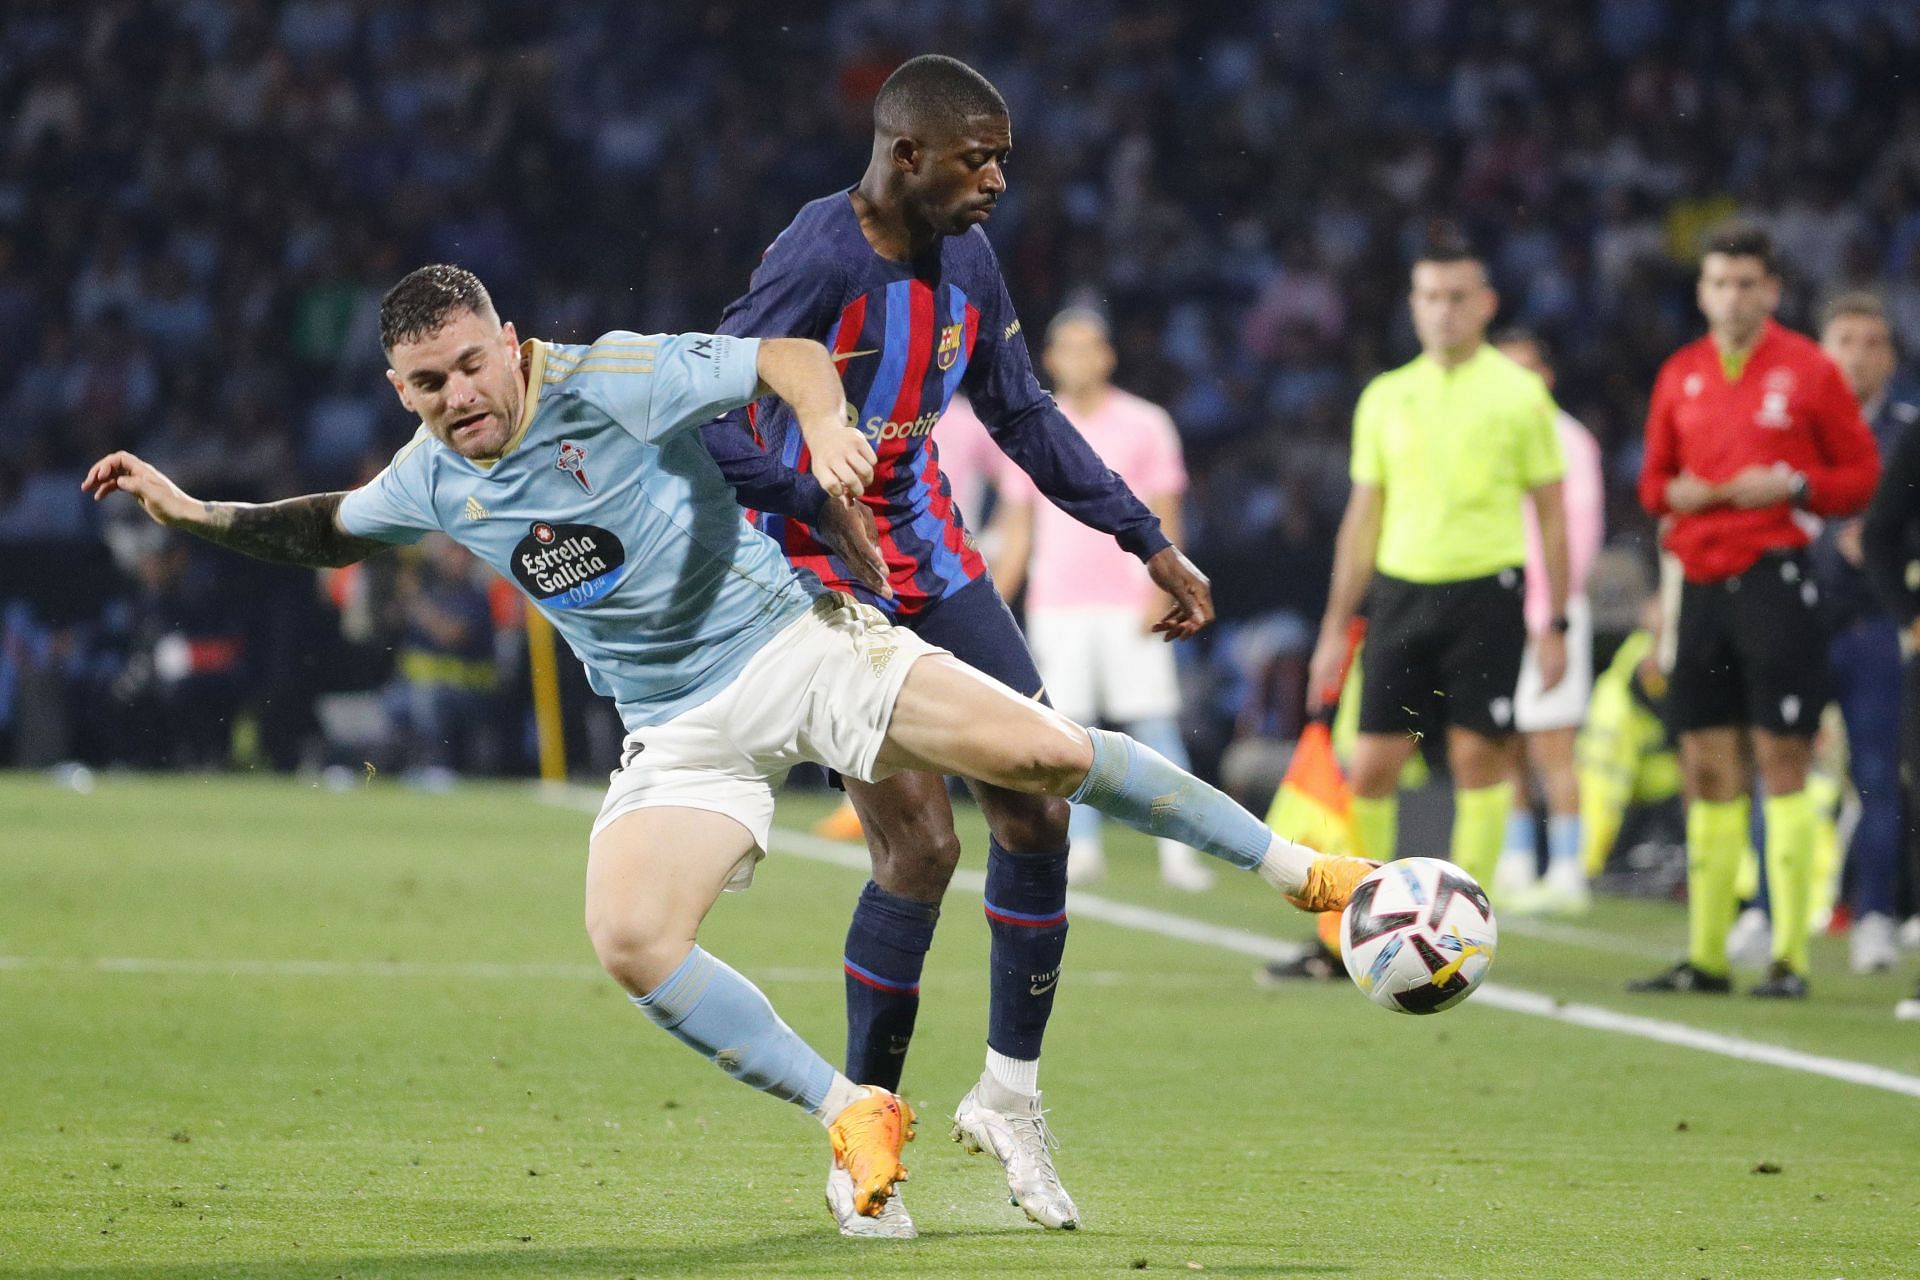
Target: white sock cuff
(841,1094)
(1020,1075)
(1285,865)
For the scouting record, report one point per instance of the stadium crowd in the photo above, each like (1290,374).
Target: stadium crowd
(201,202)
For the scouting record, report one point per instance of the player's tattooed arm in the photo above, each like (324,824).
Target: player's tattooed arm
(303,531)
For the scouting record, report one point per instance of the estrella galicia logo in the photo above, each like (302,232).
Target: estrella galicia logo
(565,566)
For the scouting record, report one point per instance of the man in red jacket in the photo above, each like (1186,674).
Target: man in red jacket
(1751,434)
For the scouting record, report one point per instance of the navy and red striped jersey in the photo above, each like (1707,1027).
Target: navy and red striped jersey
(905,337)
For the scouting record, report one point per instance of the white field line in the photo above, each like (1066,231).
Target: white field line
(1090,906)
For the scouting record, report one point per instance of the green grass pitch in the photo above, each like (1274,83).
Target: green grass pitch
(257,1029)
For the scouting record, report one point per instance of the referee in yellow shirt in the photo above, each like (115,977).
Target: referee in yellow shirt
(1445,451)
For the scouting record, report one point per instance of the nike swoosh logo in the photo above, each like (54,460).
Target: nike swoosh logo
(1039,990)
(838,356)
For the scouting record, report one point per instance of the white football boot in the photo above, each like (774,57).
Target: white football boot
(1563,891)
(1013,1129)
(1750,941)
(1086,862)
(1514,878)
(1872,947)
(892,1224)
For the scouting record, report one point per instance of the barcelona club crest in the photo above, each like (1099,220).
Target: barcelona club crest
(949,349)
(572,460)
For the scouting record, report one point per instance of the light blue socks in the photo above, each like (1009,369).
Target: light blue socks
(1563,837)
(711,1009)
(1137,785)
(1520,834)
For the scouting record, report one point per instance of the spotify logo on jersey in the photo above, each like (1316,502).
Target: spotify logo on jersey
(567,565)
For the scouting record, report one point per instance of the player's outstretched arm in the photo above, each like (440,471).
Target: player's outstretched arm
(1188,602)
(847,526)
(800,371)
(1190,589)
(303,531)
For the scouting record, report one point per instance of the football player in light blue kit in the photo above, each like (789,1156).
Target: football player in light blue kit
(577,472)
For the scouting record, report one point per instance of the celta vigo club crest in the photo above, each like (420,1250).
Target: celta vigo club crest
(572,460)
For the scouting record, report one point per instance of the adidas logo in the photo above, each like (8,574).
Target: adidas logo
(475,511)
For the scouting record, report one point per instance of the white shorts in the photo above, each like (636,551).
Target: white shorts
(821,690)
(1100,664)
(1565,705)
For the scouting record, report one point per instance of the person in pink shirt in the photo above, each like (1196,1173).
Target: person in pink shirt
(972,464)
(1548,722)
(1090,606)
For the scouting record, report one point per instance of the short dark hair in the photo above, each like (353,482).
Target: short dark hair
(1516,334)
(933,92)
(428,297)
(1857,302)
(1445,244)
(1740,240)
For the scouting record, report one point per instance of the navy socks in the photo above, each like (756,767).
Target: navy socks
(886,948)
(1027,914)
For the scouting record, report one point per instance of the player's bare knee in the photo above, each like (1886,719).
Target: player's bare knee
(1053,764)
(1375,780)
(913,837)
(1478,761)
(1711,781)
(1030,823)
(1783,778)
(636,954)
(1377,763)
(918,867)
(1784,762)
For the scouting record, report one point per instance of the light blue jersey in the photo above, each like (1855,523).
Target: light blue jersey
(608,511)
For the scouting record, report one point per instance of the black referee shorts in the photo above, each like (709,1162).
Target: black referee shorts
(1445,652)
(1751,650)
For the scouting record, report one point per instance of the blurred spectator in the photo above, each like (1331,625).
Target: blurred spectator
(441,696)
(173,698)
(40,498)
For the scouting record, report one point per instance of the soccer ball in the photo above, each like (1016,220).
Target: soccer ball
(1418,935)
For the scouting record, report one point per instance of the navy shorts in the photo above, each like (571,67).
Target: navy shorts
(975,626)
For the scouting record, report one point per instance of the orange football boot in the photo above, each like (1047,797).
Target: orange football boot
(867,1137)
(1331,881)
